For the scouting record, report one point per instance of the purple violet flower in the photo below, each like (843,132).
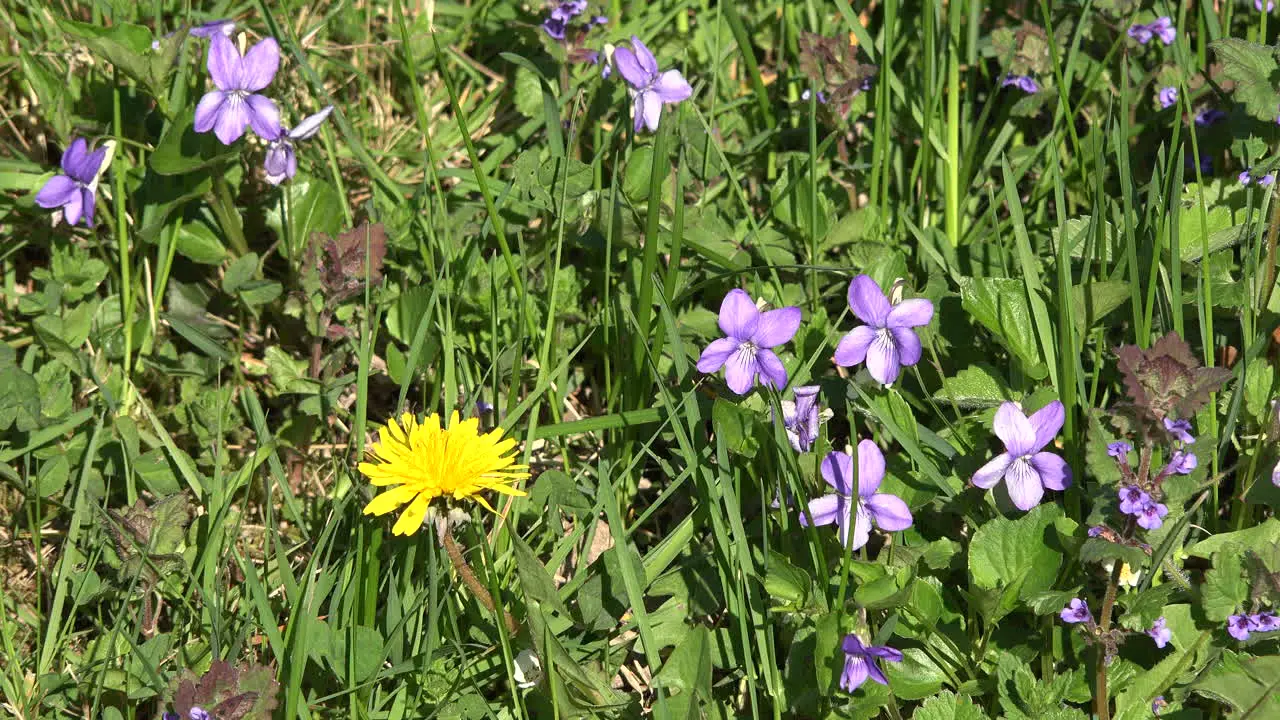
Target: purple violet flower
(801,417)
(1161,28)
(1133,499)
(1209,116)
(1257,5)
(1120,450)
(1244,177)
(1160,633)
(1267,180)
(649,88)
(74,190)
(1179,429)
(1239,626)
(747,351)
(1182,463)
(199,713)
(235,103)
(1275,474)
(214,27)
(887,341)
(855,512)
(860,662)
(1025,83)
(281,162)
(483,407)
(1151,516)
(1095,531)
(1026,470)
(1158,704)
(1168,97)
(1076,611)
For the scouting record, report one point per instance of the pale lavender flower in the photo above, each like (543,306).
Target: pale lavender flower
(1151,516)
(281,162)
(1133,500)
(1275,475)
(1025,83)
(214,27)
(1168,97)
(887,342)
(1095,531)
(1182,463)
(1180,430)
(74,190)
(649,88)
(1158,704)
(860,662)
(855,510)
(1076,611)
(1244,177)
(1209,116)
(199,713)
(1266,180)
(1239,626)
(1257,5)
(1120,450)
(1026,470)
(801,417)
(235,103)
(1160,633)
(1161,28)
(822,96)
(747,351)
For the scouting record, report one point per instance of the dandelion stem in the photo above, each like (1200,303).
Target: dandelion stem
(472,582)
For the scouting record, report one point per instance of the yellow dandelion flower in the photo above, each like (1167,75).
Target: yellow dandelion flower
(425,461)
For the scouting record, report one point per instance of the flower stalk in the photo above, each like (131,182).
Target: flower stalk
(473,583)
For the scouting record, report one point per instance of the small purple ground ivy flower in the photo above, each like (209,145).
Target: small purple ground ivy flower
(1161,28)
(235,103)
(747,351)
(1133,500)
(855,510)
(1265,621)
(1160,632)
(196,713)
(1257,5)
(1025,83)
(1267,180)
(1182,463)
(1152,515)
(1239,626)
(1076,611)
(1024,467)
(74,190)
(822,97)
(1209,116)
(1158,704)
(887,342)
(281,162)
(649,88)
(801,417)
(1180,430)
(860,662)
(1168,97)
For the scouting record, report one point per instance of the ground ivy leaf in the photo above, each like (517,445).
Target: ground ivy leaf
(1005,550)
(949,706)
(1253,68)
